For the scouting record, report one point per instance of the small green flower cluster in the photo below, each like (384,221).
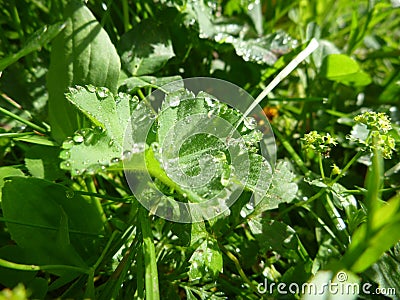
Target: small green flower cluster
(379,126)
(318,142)
(375,121)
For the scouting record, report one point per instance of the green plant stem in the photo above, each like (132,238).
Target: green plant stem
(321,166)
(322,190)
(141,95)
(125,11)
(139,277)
(150,263)
(118,276)
(11,265)
(335,217)
(49,227)
(26,122)
(374,182)
(105,197)
(240,270)
(303,203)
(17,22)
(89,181)
(15,135)
(346,167)
(326,227)
(299,162)
(104,252)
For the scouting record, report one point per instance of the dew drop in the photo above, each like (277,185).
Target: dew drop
(69,193)
(126,154)
(65,165)
(98,130)
(155,147)
(250,123)
(138,147)
(67,144)
(209,102)
(225,176)
(115,160)
(249,206)
(78,139)
(91,88)
(90,171)
(102,92)
(65,154)
(84,132)
(89,139)
(174,101)
(73,90)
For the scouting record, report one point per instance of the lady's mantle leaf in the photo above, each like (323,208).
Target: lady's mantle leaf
(93,149)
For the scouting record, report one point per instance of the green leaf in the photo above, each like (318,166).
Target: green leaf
(132,84)
(43,162)
(38,287)
(274,236)
(93,149)
(263,50)
(377,245)
(283,188)
(367,246)
(192,130)
(7,172)
(339,65)
(342,68)
(38,140)
(386,272)
(43,220)
(146,48)
(10,277)
(206,261)
(82,53)
(34,43)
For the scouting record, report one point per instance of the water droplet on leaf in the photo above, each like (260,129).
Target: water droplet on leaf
(102,92)
(126,154)
(78,139)
(115,160)
(98,130)
(174,101)
(65,154)
(138,147)
(65,165)
(250,123)
(69,193)
(67,144)
(91,88)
